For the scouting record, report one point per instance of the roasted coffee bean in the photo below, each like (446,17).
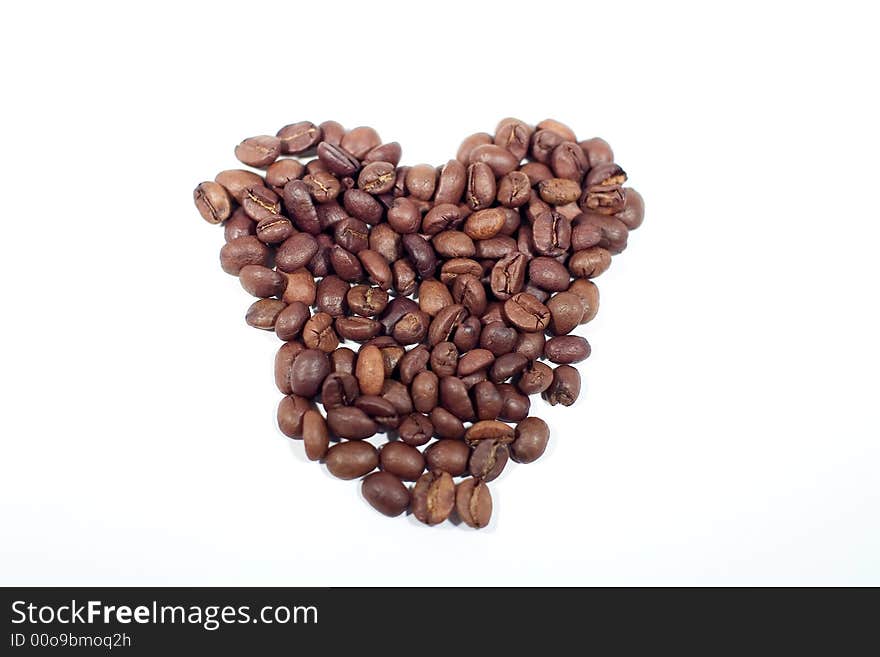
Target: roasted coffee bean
(238,225)
(566,312)
(316,438)
(342,361)
(290,415)
(412,327)
(384,241)
(603,191)
(495,248)
(508,275)
(377,178)
(483,224)
(258,152)
(299,137)
(362,206)
(448,455)
(589,296)
(351,459)
(351,422)
(487,400)
(329,214)
(323,186)
(445,322)
(433,497)
(261,281)
(538,293)
(398,307)
(455,399)
(415,429)
(530,345)
(307,372)
(597,151)
(301,286)
(274,229)
(612,233)
(584,234)
(532,435)
(507,366)
(379,409)
(389,152)
(498,338)
(445,216)
(370,370)
(420,252)
(404,216)
(300,207)
(515,136)
(544,143)
(494,313)
(467,335)
(474,361)
(331,296)
(318,333)
(451,183)
(391,356)
(421,180)
(488,430)
(237,181)
(566,386)
(537,172)
(499,159)
(514,190)
(569,161)
(566,349)
(244,251)
(453,244)
(295,252)
(536,378)
(480,189)
(444,359)
(433,297)
(488,460)
(551,234)
(402,460)
(470,143)
(398,395)
(446,425)
(473,503)
(549,274)
(351,234)
(263,312)
(526,313)
(337,159)
(339,389)
(570,210)
(213,202)
(281,172)
(515,405)
(633,212)
(346,264)
(290,321)
(320,265)
(425,390)
(457,267)
(559,191)
(386,493)
(589,263)
(366,301)
(376,267)
(360,141)
(558,127)
(283,362)
(414,361)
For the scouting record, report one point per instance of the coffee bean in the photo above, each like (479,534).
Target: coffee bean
(398,394)
(448,455)
(455,399)
(300,207)
(386,493)
(544,143)
(515,405)
(633,212)
(402,460)
(425,391)
(597,151)
(559,191)
(433,497)
(263,312)
(525,312)
(411,328)
(389,152)
(308,371)
(415,429)
(458,266)
(567,349)
(376,267)
(360,141)
(536,378)
(612,233)
(283,362)
(337,159)
(589,263)
(473,502)
(377,178)
(470,143)
(487,400)
(530,345)
(274,229)
(515,136)
(474,361)
(444,358)
(291,410)
(442,217)
(421,180)
(514,189)
(558,127)
(508,275)
(537,172)
(532,435)
(366,301)
(420,252)
(290,321)
(549,274)
(413,362)
(238,225)
(258,152)
(346,264)
(566,312)
(488,430)
(569,161)
(281,172)
(446,425)
(498,338)
(323,186)
(483,224)
(404,216)
(551,234)
(451,183)
(243,251)
(507,366)
(351,422)
(565,388)
(351,459)
(589,296)
(213,202)
(433,297)
(445,322)
(301,287)
(467,335)
(387,243)
(331,296)
(299,137)
(370,370)
(316,439)
(480,189)
(499,159)
(318,333)
(237,181)
(342,361)
(295,252)
(261,281)
(488,459)
(339,389)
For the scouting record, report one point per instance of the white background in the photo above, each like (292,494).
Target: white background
(728,432)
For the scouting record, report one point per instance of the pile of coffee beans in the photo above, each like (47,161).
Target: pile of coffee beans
(457,286)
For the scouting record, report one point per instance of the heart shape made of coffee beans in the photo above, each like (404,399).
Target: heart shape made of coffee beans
(458,282)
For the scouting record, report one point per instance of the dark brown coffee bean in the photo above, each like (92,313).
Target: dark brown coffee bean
(320,265)
(339,389)
(536,378)
(433,497)
(494,313)
(425,390)
(448,455)
(420,252)
(551,234)
(261,281)
(402,460)
(263,312)
(386,493)
(532,435)
(386,242)
(530,345)
(242,252)
(290,415)
(299,137)
(473,502)
(633,212)
(514,190)
(558,127)
(421,180)
(537,172)
(398,395)
(451,183)
(526,313)
(589,296)
(300,287)
(404,216)
(433,297)
(445,216)
(238,225)
(389,152)
(323,186)
(274,229)
(411,328)
(237,181)
(295,252)
(569,161)
(515,405)
(458,266)
(351,459)
(483,224)
(377,178)
(367,301)
(454,398)
(515,136)
(290,321)
(316,439)
(597,151)
(507,366)
(544,143)
(498,338)
(488,460)
(445,323)
(474,361)
(360,141)
(283,362)
(487,400)
(258,152)
(566,312)
(612,233)
(589,263)
(352,234)
(470,143)
(370,370)
(446,425)
(379,409)
(508,275)
(331,296)
(300,207)
(398,307)
(413,362)
(376,268)
(362,206)
(559,191)
(585,234)
(342,361)
(541,295)
(467,335)
(488,430)
(453,244)
(337,159)
(282,172)
(318,333)
(415,429)
(346,264)
(567,349)
(358,329)
(351,423)
(444,359)
(308,371)
(499,159)
(549,274)
(480,189)
(566,386)
(603,191)
(213,202)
